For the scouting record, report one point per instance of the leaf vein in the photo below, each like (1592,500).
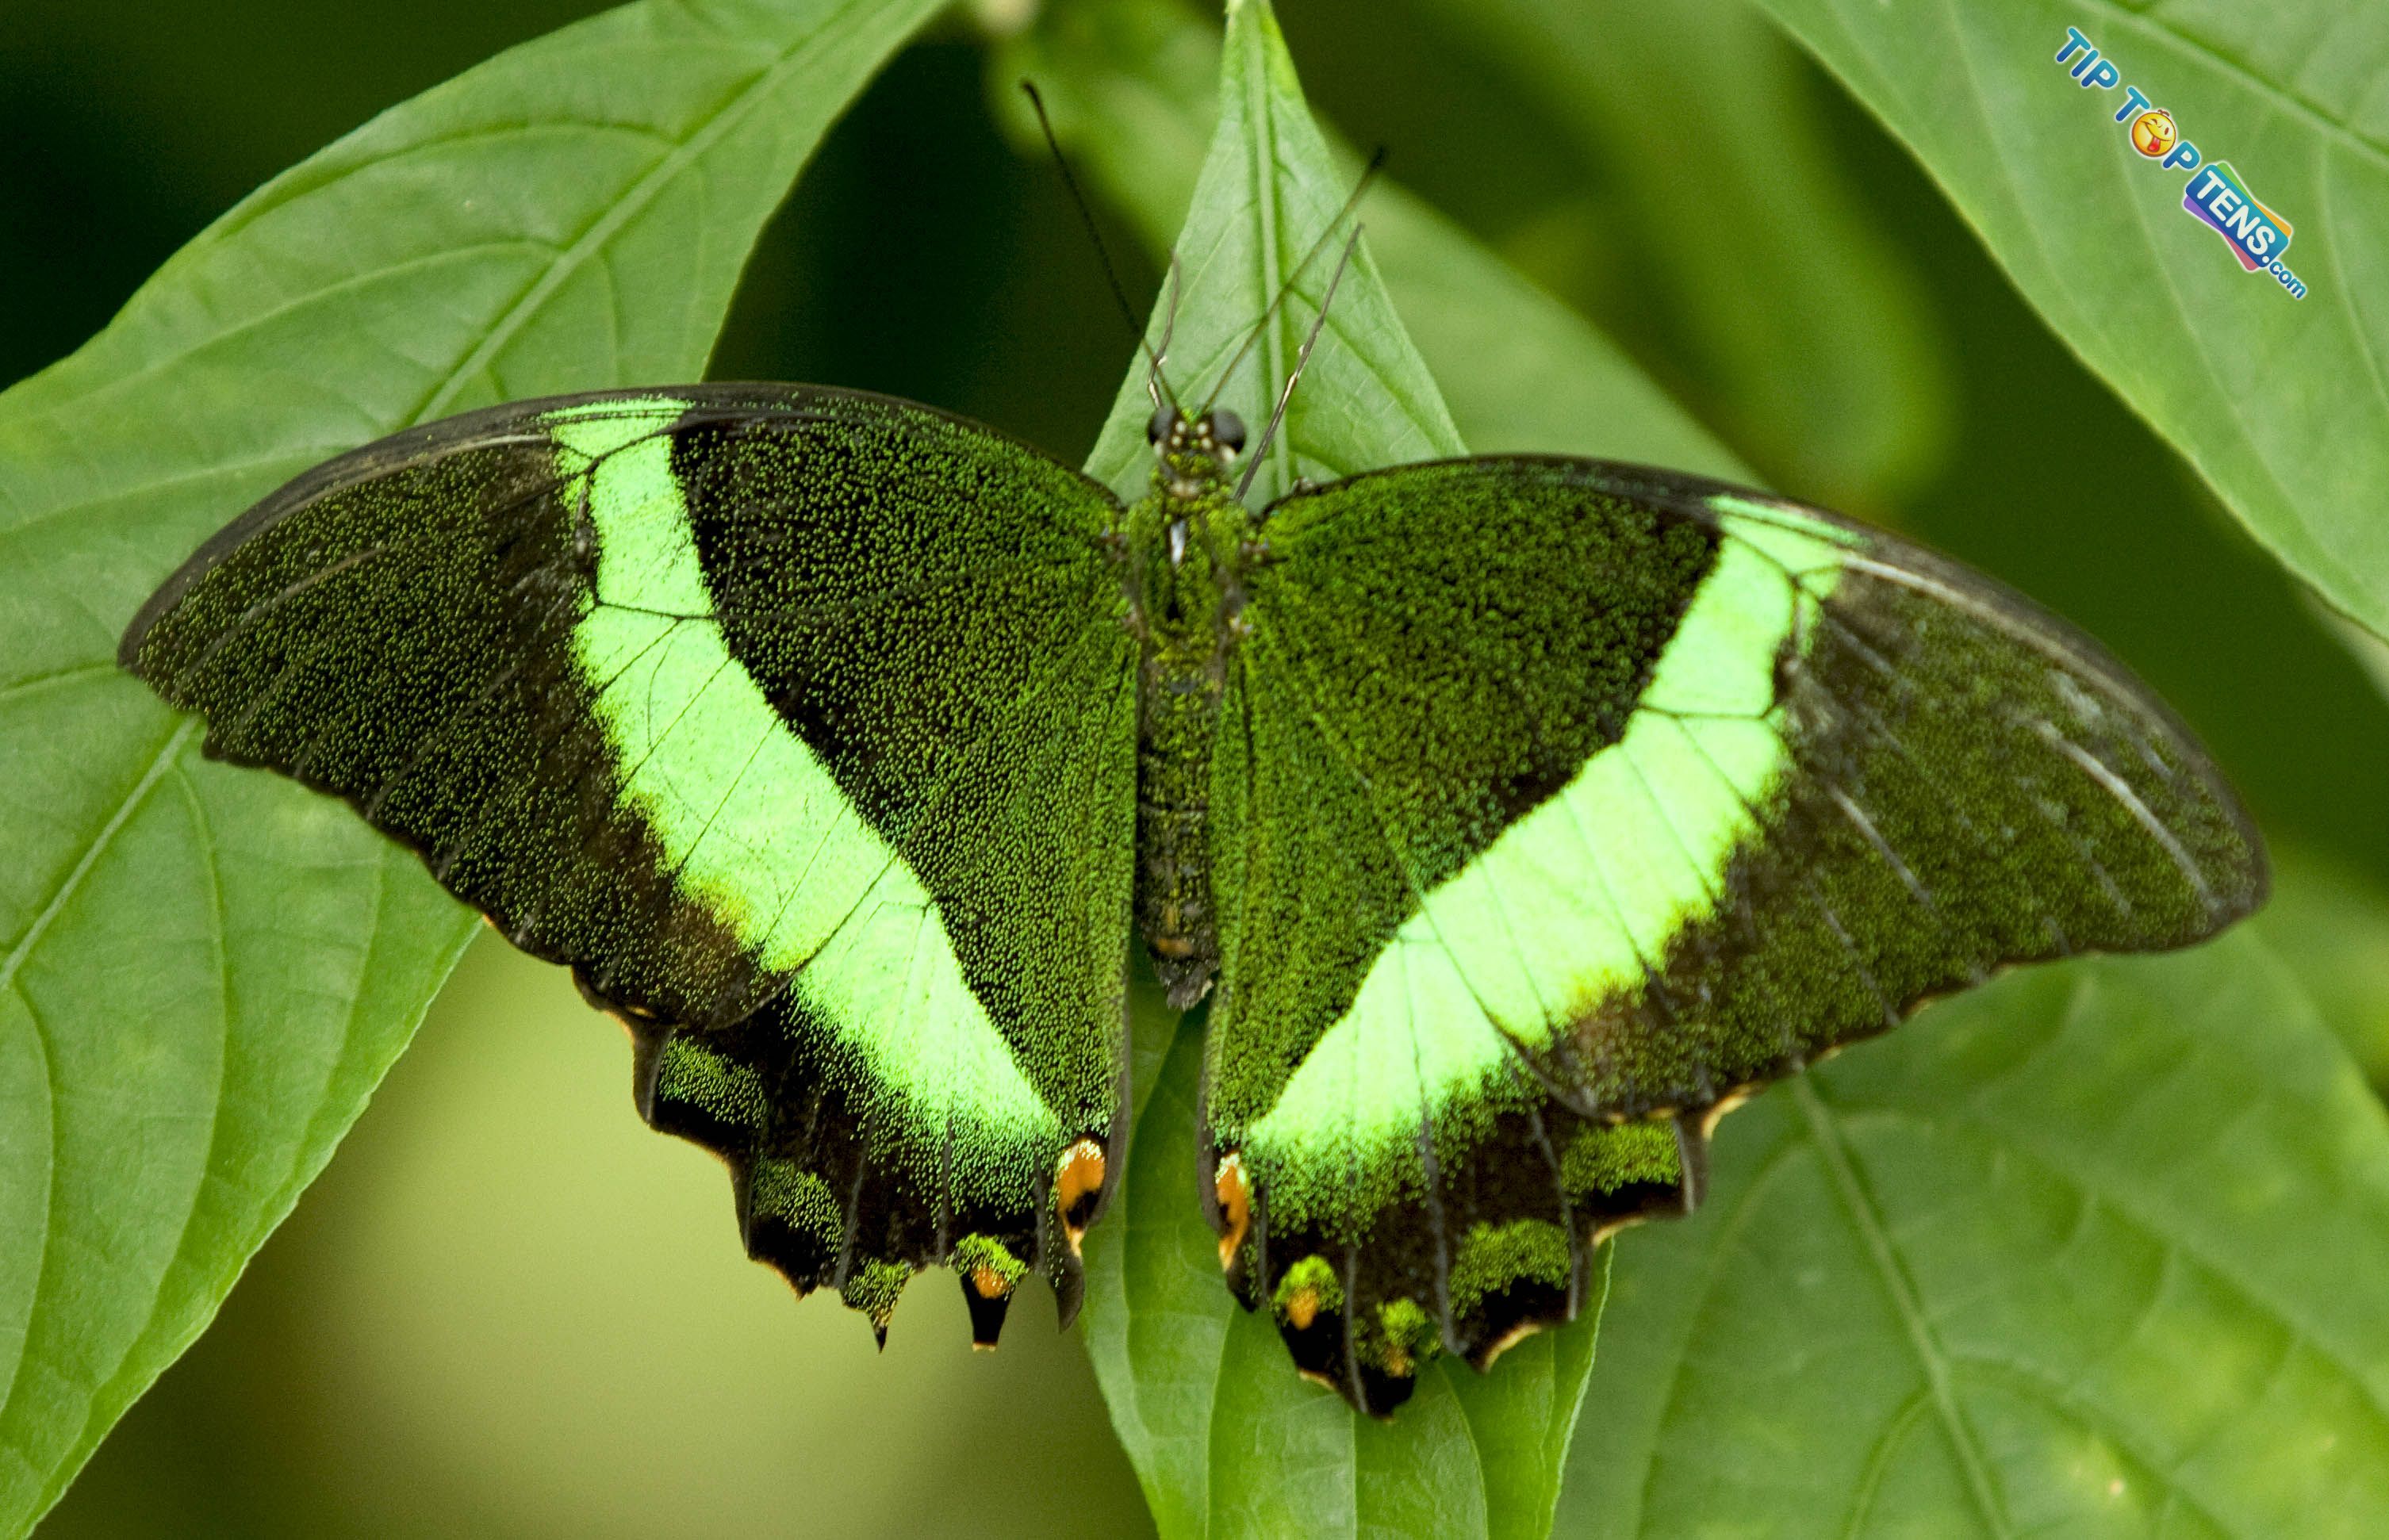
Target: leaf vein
(1931,1356)
(63,895)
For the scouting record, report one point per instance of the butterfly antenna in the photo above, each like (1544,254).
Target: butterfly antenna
(1158,382)
(1302,357)
(1153,384)
(1368,175)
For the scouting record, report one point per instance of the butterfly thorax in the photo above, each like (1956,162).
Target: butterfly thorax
(1184,550)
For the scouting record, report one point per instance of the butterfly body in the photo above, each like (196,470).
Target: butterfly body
(1517,816)
(1184,547)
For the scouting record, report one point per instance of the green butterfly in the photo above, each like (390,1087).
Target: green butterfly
(1518,816)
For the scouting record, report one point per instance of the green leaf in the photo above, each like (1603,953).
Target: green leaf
(207,971)
(1804,330)
(1128,83)
(1225,1438)
(2088,1250)
(1267,193)
(2283,405)
(2330,925)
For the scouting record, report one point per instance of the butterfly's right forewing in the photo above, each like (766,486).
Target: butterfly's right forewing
(1564,804)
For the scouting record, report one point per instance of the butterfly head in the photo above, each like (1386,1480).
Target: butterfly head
(1193,451)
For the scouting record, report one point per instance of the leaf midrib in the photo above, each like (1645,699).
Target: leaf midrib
(86,403)
(1931,1357)
(2120,1202)
(1260,117)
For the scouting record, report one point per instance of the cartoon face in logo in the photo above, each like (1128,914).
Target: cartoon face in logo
(2153,133)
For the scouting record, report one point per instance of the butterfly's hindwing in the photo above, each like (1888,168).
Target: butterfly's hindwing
(1564,804)
(798,722)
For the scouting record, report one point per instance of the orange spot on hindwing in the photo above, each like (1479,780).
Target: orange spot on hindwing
(1078,1186)
(1235,1209)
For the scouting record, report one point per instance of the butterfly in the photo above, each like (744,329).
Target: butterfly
(1513,817)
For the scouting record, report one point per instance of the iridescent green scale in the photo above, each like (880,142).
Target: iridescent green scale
(1517,816)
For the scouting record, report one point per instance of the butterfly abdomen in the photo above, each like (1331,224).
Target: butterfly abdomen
(1178,717)
(1180,574)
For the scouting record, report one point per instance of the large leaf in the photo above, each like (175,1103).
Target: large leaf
(2281,403)
(205,972)
(2091,1251)
(1732,236)
(1225,1439)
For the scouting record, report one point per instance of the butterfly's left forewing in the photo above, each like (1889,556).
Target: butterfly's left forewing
(1561,805)
(798,722)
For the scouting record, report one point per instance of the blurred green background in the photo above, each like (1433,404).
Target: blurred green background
(509,1310)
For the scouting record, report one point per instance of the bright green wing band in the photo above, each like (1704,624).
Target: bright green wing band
(1565,908)
(1567,803)
(758,833)
(798,722)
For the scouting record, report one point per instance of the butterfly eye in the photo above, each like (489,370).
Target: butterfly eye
(1165,417)
(1227,430)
